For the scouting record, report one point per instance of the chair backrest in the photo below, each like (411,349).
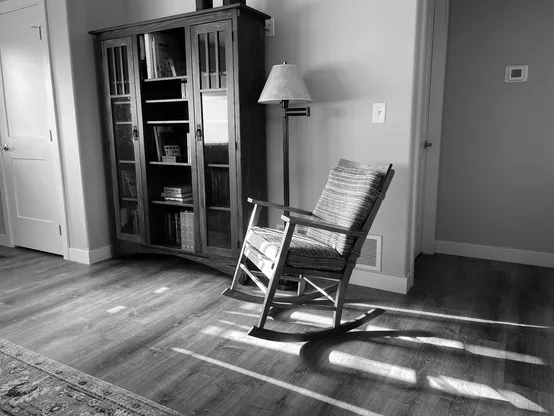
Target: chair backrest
(347,200)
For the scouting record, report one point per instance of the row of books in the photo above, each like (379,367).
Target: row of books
(164,54)
(177,193)
(179,229)
(168,147)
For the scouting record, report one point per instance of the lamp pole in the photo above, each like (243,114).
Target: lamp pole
(286,189)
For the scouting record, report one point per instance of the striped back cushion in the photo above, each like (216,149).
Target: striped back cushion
(346,200)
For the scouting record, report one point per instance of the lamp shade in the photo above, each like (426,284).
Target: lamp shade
(285,84)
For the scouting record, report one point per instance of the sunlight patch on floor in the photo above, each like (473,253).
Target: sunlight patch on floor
(473,349)
(296,389)
(443,315)
(116,309)
(243,338)
(161,290)
(476,390)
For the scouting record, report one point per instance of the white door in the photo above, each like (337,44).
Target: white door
(30,161)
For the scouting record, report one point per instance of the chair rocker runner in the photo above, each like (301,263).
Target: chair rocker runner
(337,230)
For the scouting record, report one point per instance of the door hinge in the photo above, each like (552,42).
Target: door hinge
(60,228)
(232,36)
(50,131)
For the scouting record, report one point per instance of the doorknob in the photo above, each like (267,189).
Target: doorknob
(427,144)
(5,147)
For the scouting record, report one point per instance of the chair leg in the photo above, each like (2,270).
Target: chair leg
(339,303)
(271,289)
(341,294)
(274,278)
(301,286)
(238,271)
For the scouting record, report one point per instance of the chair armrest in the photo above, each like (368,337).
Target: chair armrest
(322,225)
(279,207)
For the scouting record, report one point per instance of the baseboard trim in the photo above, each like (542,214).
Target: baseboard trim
(374,280)
(5,240)
(510,255)
(90,256)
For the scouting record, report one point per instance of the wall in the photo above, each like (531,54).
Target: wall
(497,174)
(350,56)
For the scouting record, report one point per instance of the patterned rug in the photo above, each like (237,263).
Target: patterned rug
(31,384)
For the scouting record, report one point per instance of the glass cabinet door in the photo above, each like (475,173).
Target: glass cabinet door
(117,58)
(212,62)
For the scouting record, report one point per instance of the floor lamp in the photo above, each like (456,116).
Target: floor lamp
(285,86)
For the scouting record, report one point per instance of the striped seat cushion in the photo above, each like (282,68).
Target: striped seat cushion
(346,200)
(304,252)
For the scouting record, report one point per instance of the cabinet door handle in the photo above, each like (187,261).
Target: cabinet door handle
(199,132)
(135,133)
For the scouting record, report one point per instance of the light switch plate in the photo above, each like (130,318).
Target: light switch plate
(270,27)
(379,113)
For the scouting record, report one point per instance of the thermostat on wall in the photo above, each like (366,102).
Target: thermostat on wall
(516,73)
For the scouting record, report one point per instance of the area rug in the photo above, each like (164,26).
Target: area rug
(31,384)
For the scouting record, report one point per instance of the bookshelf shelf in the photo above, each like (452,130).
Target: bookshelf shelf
(170,163)
(168,100)
(131,162)
(129,199)
(168,122)
(215,208)
(123,122)
(173,204)
(217,165)
(213,90)
(178,78)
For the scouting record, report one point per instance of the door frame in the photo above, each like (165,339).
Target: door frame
(433,107)
(8,6)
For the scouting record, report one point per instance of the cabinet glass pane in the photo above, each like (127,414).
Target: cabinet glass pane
(124,148)
(222,70)
(217,187)
(219,228)
(216,127)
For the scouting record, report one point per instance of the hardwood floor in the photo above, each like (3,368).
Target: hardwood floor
(472,337)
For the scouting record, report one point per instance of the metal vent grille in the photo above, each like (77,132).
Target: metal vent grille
(370,257)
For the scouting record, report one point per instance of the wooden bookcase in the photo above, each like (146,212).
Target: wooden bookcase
(191,82)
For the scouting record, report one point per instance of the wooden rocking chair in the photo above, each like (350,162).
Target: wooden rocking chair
(338,228)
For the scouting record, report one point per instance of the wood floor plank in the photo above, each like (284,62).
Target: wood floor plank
(472,337)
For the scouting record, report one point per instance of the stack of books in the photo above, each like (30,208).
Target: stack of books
(178,193)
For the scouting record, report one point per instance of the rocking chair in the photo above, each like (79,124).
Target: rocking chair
(338,228)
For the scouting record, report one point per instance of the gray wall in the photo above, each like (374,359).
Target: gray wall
(497,162)
(345,69)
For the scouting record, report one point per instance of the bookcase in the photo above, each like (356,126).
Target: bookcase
(185,133)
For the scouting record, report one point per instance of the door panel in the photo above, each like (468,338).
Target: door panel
(34,198)
(212,60)
(117,56)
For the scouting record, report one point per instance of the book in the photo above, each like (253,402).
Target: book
(158,142)
(177,195)
(178,188)
(177,199)
(148,55)
(173,159)
(187,230)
